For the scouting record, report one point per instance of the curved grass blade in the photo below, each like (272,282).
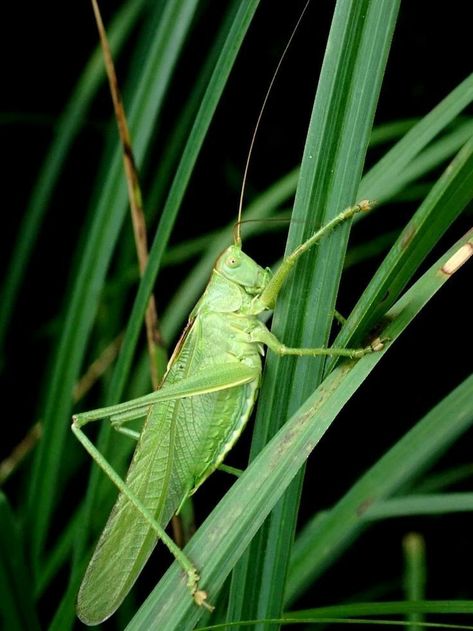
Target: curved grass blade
(438,481)
(350,613)
(331,169)
(325,537)
(66,130)
(98,247)
(446,200)
(380,182)
(17,609)
(226,533)
(441,607)
(433,156)
(431,504)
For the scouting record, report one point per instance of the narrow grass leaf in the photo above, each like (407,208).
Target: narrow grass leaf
(18,610)
(446,200)
(432,504)
(324,537)
(377,184)
(441,480)
(331,169)
(436,154)
(66,129)
(443,607)
(103,232)
(352,614)
(415,575)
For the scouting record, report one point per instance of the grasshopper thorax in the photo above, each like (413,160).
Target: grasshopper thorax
(241,269)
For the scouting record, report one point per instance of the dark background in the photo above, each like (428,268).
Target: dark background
(43,49)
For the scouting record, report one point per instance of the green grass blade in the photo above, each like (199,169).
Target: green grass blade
(356,614)
(331,169)
(391,131)
(226,533)
(322,540)
(65,616)
(66,130)
(415,573)
(445,607)
(59,555)
(432,504)
(380,182)
(370,249)
(18,610)
(443,479)
(103,233)
(434,155)
(446,200)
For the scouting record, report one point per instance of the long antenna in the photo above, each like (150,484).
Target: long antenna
(260,115)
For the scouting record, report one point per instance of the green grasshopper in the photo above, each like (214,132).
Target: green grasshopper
(193,420)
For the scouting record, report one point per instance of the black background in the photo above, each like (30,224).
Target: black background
(43,49)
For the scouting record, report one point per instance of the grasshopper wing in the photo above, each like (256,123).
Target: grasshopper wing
(176,435)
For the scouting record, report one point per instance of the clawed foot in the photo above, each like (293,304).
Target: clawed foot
(199,595)
(376,345)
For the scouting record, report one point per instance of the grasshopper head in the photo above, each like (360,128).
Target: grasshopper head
(238,267)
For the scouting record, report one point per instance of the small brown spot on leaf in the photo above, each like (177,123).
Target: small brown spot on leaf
(363,507)
(407,236)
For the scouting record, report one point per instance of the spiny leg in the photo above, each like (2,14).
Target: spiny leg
(230,470)
(199,595)
(269,295)
(212,379)
(218,377)
(339,318)
(131,433)
(262,334)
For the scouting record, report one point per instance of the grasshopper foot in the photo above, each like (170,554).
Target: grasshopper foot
(199,595)
(200,599)
(376,345)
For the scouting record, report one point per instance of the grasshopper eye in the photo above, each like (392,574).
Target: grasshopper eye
(232,262)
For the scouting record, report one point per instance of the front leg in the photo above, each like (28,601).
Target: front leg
(268,298)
